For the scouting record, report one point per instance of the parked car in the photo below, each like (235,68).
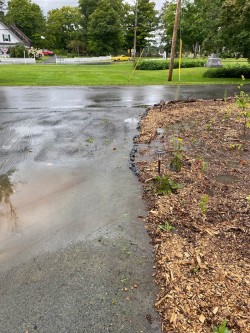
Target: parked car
(47,52)
(121,58)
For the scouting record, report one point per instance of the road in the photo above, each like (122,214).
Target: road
(74,253)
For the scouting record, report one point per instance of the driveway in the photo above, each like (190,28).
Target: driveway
(74,253)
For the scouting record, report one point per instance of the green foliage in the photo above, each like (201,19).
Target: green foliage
(203,167)
(90,140)
(243,102)
(161,64)
(77,47)
(203,204)
(27,16)
(96,75)
(228,72)
(222,328)
(147,23)
(105,31)
(63,27)
(176,161)
(2,6)
(166,185)
(166,226)
(220,26)
(18,51)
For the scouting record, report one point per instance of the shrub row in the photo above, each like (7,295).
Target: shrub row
(228,72)
(152,65)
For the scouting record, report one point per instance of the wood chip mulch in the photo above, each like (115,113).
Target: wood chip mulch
(202,257)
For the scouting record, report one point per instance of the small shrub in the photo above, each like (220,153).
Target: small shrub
(228,72)
(152,65)
(166,185)
(176,161)
(203,204)
(18,51)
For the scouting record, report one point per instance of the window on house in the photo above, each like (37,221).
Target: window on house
(6,38)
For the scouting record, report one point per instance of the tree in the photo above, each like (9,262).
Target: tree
(28,17)
(63,27)
(2,7)
(235,26)
(88,7)
(220,26)
(105,30)
(199,22)
(147,23)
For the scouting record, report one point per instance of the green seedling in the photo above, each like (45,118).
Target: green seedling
(195,270)
(222,328)
(106,142)
(114,301)
(203,167)
(248,198)
(203,204)
(242,100)
(166,185)
(227,113)
(235,146)
(176,162)
(166,227)
(90,140)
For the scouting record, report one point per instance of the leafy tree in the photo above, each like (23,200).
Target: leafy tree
(147,23)
(77,47)
(2,7)
(63,26)
(28,17)
(220,26)
(88,7)
(199,22)
(105,30)
(235,26)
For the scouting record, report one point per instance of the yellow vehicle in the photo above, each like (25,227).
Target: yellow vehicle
(121,58)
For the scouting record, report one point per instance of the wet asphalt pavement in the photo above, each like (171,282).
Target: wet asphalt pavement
(74,254)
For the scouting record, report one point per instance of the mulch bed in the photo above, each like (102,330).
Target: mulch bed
(200,232)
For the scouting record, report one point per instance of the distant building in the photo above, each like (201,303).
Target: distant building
(11,36)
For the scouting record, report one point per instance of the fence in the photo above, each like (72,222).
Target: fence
(89,60)
(6,60)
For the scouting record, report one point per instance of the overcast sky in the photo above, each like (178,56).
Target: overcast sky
(46,5)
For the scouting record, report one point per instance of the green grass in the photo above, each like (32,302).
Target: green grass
(97,75)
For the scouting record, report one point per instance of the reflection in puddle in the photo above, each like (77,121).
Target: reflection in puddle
(132,122)
(6,206)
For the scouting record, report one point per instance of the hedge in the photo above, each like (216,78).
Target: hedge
(152,65)
(228,72)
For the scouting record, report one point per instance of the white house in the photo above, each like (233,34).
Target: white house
(11,36)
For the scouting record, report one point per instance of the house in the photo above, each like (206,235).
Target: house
(11,36)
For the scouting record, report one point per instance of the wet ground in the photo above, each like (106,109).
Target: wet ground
(74,255)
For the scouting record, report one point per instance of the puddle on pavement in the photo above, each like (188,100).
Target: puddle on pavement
(132,122)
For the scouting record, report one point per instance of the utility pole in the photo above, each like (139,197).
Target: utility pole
(173,47)
(135,28)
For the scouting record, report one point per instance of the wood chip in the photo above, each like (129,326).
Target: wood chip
(202,318)
(215,310)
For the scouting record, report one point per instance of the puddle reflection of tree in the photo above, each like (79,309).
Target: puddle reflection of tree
(6,191)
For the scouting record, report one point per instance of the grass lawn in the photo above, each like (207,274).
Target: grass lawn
(91,75)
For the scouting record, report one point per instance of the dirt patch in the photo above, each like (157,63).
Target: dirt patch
(198,213)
